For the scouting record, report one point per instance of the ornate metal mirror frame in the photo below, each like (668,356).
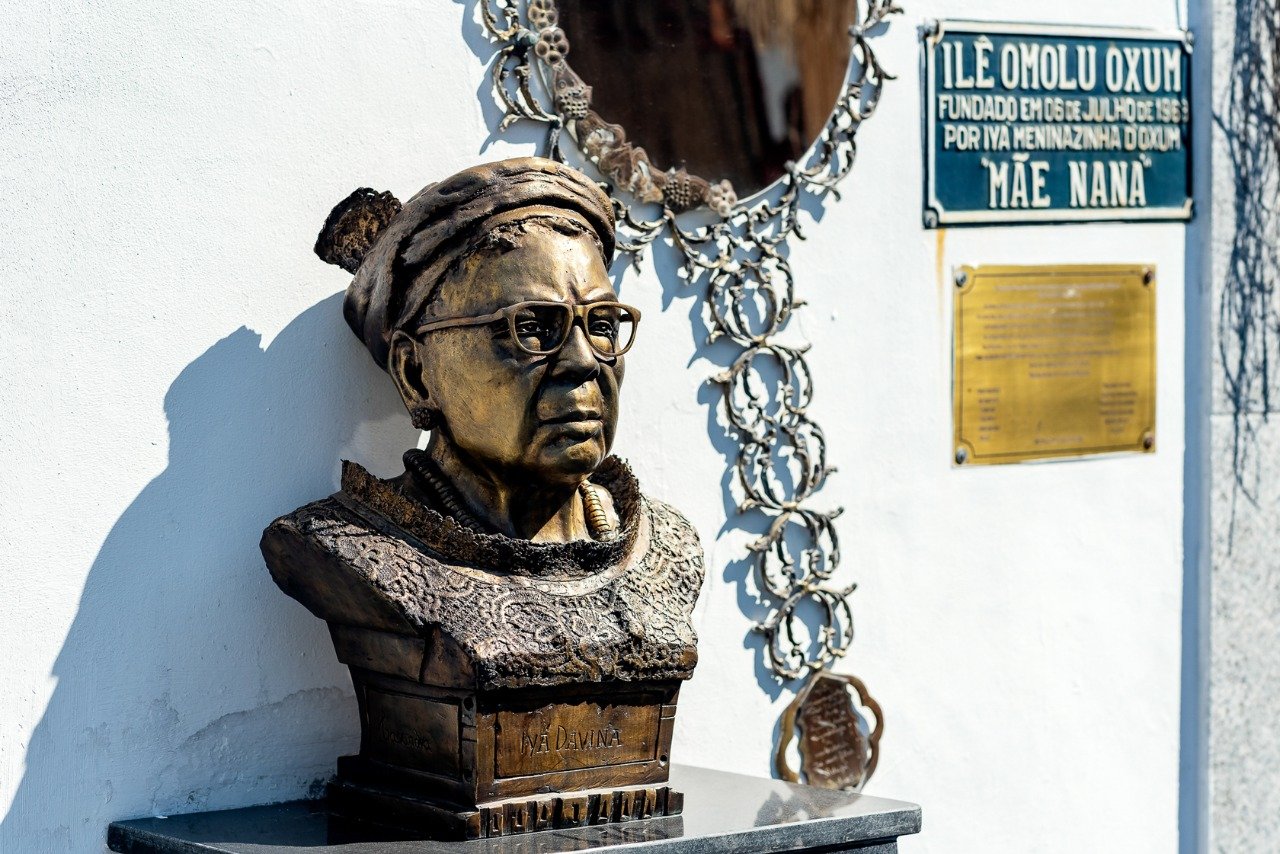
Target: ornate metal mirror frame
(737,254)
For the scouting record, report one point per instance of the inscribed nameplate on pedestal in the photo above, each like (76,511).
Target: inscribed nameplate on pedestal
(1053,361)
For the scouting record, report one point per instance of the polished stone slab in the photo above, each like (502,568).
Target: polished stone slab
(723,813)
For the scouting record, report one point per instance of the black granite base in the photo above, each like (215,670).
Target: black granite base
(723,813)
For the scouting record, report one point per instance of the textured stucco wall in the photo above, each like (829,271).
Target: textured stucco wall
(176,373)
(1244,580)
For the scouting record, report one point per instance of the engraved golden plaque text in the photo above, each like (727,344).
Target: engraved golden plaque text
(565,736)
(1053,361)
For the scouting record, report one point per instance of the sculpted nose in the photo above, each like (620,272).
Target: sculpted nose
(576,359)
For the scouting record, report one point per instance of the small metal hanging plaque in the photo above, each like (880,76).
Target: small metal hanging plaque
(1053,361)
(839,725)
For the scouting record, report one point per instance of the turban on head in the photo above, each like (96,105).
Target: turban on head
(400,255)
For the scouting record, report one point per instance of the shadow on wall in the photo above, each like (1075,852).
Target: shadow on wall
(188,681)
(740,572)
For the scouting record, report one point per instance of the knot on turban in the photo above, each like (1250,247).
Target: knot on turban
(409,252)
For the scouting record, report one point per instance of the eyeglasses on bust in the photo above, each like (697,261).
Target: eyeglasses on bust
(541,328)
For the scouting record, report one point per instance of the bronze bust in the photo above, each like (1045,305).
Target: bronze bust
(515,613)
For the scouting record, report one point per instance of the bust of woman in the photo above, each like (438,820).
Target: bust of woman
(515,613)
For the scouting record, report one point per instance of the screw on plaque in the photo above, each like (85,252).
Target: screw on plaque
(961,456)
(962,278)
(1148,440)
(1148,275)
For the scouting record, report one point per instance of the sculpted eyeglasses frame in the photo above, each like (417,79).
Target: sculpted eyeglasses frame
(568,317)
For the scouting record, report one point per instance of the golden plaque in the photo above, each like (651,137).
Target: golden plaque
(1053,361)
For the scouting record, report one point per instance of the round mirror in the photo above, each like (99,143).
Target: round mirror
(727,90)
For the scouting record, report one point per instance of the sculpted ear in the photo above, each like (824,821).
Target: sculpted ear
(406,371)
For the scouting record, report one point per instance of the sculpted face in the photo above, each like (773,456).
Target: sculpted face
(518,416)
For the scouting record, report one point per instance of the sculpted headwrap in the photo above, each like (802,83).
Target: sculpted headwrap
(400,255)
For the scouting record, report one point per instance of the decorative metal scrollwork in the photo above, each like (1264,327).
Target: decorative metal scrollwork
(740,261)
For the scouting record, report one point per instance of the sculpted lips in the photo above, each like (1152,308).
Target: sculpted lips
(575,424)
(574,416)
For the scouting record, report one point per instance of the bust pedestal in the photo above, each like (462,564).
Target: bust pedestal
(724,813)
(465,764)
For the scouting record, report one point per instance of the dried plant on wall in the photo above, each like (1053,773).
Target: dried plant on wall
(1248,316)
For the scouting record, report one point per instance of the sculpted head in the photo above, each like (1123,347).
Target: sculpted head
(488,302)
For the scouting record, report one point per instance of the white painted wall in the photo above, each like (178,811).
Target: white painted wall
(176,373)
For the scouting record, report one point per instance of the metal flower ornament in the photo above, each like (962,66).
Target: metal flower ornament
(735,252)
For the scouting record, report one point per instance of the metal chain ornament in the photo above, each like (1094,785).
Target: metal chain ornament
(740,262)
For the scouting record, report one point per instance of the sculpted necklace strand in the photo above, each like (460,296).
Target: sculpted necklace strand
(422,471)
(597,521)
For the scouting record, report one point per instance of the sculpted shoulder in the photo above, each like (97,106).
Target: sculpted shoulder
(676,571)
(672,519)
(332,560)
